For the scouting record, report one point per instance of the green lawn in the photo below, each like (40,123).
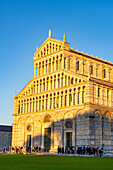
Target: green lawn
(54,162)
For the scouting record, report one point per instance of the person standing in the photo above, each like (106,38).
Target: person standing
(9,149)
(19,150)
(5,150)
(73,150)
(100,151)
(26,149)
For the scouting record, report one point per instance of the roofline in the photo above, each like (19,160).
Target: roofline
(6,125)
(103,83)
(25,87)
(90,56)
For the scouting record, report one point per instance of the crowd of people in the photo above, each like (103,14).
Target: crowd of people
(60,150)
(98,151)
(19,150)
(12,149)
(33,149)
(7,149)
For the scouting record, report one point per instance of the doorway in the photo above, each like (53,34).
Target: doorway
(28,140)
(47,139)
(68,139)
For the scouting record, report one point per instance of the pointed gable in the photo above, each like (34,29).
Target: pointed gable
(50,46)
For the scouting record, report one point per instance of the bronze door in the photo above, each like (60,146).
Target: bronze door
(28,140)
(68,139)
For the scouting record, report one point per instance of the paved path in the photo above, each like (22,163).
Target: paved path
(47,153)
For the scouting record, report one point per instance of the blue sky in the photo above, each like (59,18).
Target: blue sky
(24,25)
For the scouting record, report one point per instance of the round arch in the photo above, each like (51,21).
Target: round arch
(68,115)
(37,119)
(57,117)
(79,111)
(108,114)
(47,118)
(20,121)
(29,119)
(97,111)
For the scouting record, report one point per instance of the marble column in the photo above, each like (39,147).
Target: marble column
(62,133)
(52,136)
(74,136)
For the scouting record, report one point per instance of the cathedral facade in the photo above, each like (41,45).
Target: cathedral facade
(68,102)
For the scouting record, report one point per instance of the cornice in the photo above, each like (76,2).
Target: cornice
(90,56)
(102,82)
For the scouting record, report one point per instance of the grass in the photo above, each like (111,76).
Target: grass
(38,162)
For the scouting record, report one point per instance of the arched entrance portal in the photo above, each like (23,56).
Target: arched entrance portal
(68,133)
(47,133)
(29,128)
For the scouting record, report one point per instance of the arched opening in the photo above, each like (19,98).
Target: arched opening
(68,124)
(47,118)
(47,134)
